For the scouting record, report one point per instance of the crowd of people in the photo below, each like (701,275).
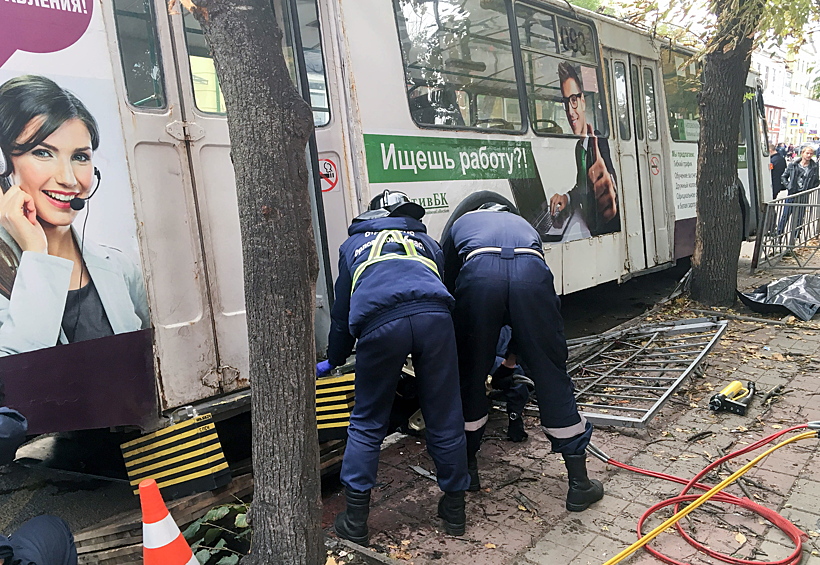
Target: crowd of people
(400,294)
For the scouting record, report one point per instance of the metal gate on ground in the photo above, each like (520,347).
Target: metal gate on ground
(623,378)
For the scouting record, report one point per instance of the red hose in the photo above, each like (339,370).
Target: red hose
(792,531)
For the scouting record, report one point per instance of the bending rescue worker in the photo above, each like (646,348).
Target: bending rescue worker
(495,268)
(389,296)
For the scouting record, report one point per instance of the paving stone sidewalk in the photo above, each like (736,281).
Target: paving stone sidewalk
(519,517)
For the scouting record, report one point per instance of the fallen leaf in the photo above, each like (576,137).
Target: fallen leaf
(778,357)
(490,545)
(741,539)
(331,560)
(776,426)
(522,507)
(604,529)
(405,542)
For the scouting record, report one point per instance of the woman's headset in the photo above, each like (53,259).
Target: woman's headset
(5,171)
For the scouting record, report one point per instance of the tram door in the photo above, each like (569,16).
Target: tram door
(179,148)
(635,111)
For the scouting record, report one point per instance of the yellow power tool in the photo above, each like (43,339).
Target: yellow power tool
(733,398)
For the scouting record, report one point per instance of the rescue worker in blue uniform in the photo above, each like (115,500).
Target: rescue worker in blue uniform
(494,265)
(390,297)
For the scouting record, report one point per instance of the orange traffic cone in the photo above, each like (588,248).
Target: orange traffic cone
(162,542)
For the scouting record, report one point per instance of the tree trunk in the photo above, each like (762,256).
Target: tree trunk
(719,222)
(270,124)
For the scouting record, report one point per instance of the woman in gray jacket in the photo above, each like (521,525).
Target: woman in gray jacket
(55,287)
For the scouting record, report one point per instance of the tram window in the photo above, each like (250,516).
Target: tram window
(139,53)
(651,107)
(621,104)
(452,47)
(549,59)
(207,93)
(310,34)
(636,101)
(681,84)
(575,40)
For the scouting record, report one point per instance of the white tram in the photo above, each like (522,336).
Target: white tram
(438,98)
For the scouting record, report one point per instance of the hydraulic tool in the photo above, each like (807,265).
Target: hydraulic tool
(733,398)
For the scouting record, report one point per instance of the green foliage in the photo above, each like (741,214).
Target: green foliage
(720,24)
(815,88)
(222,536)
(593,5)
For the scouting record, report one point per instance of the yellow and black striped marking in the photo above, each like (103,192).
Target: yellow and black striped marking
(186,457)
(334,402)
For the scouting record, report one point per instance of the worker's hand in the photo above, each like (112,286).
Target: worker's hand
(558,203)
(19,217)
(323,369)
(602,185)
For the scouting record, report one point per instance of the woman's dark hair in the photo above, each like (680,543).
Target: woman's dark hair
(29,96)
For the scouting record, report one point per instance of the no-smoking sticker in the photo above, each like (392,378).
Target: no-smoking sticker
(655,165)
(328,174)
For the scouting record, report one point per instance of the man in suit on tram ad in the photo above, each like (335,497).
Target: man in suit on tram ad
(494,266)
(391,303)
(595,192)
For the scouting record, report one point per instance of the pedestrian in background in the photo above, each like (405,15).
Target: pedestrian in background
(800,175)
(390,297)
(777,166)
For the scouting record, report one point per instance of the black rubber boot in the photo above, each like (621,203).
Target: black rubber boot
(583,491)
(473,444)
(472,470)
(451,510)
(352,523)
(515,430)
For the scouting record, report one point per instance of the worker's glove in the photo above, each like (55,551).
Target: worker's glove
(503,378)
(323,368)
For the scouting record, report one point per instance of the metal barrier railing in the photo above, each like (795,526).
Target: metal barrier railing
(789,227)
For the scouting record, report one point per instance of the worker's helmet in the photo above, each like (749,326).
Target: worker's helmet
(494,207)
(397,204)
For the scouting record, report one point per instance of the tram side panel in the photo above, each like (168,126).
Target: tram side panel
(442,120)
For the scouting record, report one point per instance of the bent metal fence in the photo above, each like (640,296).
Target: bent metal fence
(789,228)
(623,378)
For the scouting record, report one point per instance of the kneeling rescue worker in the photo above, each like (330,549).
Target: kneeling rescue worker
(390,297)
(494,265)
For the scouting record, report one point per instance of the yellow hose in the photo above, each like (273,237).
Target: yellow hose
(703,498)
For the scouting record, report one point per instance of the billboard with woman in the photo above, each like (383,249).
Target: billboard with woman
(73,307)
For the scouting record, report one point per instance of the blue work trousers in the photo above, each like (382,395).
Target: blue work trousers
(491,292)
(380,355)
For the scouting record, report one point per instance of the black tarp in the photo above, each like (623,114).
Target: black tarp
(795,294)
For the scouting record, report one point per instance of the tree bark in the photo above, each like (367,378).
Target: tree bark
(718,233)
(270,124)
